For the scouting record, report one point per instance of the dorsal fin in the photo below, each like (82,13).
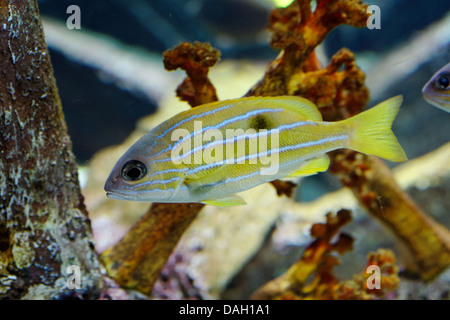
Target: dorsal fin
(303,106)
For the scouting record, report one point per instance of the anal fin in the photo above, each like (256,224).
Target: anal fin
(311,167)
(227,201)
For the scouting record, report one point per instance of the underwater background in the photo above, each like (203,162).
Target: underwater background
(103,100)
(96,107)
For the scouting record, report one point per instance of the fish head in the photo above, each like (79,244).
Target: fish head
(437,90)
(136,177)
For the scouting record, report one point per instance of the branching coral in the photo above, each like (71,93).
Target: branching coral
(195,59)
(425,244)
(136,260)
(297,31)
(312,276)
(358,287)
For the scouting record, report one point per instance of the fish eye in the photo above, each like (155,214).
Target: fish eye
(443,81)
(134,170)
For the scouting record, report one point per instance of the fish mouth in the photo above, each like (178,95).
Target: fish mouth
(437,102)
(123,196)
(119,196)
(112,193)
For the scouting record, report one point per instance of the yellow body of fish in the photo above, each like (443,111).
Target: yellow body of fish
(209,153)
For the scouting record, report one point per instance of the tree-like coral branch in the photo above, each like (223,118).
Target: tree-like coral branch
(137,259)
(312,276)
(195,59)
(425,243)
(297,31)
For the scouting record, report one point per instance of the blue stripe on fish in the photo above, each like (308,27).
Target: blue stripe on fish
(195,116)
(244,136)
(220,125)
(286,148)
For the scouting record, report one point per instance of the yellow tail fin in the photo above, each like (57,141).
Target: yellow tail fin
(371,131)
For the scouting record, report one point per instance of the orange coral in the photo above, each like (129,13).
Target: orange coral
(297,31)
(425,243)
(312,276)
(357,288)
(195,59)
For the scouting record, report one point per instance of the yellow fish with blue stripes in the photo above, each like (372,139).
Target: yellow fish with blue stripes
(211,152)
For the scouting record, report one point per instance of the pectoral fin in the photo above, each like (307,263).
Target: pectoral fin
(228,201)
(311,167)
